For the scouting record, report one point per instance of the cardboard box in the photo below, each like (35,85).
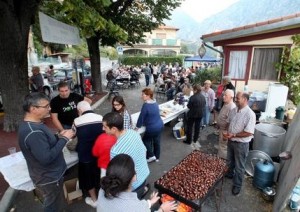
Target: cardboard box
(72,191)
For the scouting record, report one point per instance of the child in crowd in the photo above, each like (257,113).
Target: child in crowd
(101,150)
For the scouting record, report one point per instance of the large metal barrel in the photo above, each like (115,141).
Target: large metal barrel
(268,138)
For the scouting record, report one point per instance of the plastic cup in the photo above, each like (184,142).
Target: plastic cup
(12,151)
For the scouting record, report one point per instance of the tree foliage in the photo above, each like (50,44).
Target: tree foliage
(212,74)
(111,22)
(16,18)
(290,69)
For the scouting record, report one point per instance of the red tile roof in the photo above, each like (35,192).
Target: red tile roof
(271,21)
(168,27)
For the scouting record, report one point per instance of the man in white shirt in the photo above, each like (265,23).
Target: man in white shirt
(240,132)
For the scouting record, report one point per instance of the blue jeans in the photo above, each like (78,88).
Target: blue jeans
(151,141)
(147,78)
(53,196)
(206,116)
(236,159)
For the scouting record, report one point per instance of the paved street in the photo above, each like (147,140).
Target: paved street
(173,151)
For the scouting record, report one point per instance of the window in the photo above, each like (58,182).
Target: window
(161,35)
(237,64)
(171,42)
(264,61)
(156,41)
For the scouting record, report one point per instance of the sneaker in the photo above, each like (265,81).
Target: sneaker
(197,145)
(157,160)
(236,190)
(151,159)
(90,202)
(193,146)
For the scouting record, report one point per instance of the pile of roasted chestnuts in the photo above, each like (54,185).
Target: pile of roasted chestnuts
(194,175)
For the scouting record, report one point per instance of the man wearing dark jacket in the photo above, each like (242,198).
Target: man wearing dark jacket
(42,151)
(196,105)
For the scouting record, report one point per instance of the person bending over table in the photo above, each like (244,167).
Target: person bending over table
(88,126)
(115,193)
(150,118)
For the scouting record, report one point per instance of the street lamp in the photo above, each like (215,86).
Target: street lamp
(202,50)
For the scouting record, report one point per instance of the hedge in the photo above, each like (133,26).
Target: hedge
(140,60)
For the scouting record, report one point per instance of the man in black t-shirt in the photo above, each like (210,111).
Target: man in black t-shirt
(63,107)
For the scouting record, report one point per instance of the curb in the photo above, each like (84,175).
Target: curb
(100,101)
(8,199)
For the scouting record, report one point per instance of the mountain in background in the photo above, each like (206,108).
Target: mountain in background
(238,14)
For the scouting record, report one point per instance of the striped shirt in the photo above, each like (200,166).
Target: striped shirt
(241,120)
(130,143)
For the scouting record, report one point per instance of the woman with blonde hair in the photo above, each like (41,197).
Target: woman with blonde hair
(209,95)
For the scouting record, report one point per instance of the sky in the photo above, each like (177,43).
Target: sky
(201,9)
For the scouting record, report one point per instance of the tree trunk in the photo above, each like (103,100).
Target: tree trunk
(94,52)
(15,25)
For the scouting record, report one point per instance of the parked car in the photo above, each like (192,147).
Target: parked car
(64,75)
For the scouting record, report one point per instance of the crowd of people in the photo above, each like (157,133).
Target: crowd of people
(111,147)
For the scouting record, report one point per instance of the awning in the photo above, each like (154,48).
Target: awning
(203,59)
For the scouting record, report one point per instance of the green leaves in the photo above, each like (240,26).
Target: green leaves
(290,69)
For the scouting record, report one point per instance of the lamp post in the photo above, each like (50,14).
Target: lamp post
(202,50)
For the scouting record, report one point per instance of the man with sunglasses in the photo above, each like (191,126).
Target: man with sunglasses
(42,150)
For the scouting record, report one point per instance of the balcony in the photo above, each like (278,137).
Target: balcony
(164,42)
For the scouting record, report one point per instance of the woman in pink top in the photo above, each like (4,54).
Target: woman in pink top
(101,150)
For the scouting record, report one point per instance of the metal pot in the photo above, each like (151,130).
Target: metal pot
(268,194)
(268,138)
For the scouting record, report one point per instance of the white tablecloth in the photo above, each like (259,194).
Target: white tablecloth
(176,110)
(15,171)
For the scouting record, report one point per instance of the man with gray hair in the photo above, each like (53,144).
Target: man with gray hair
(222,122)
(42,151)
(88,126)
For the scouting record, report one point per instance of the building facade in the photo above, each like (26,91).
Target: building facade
(161,41)
(251,52)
